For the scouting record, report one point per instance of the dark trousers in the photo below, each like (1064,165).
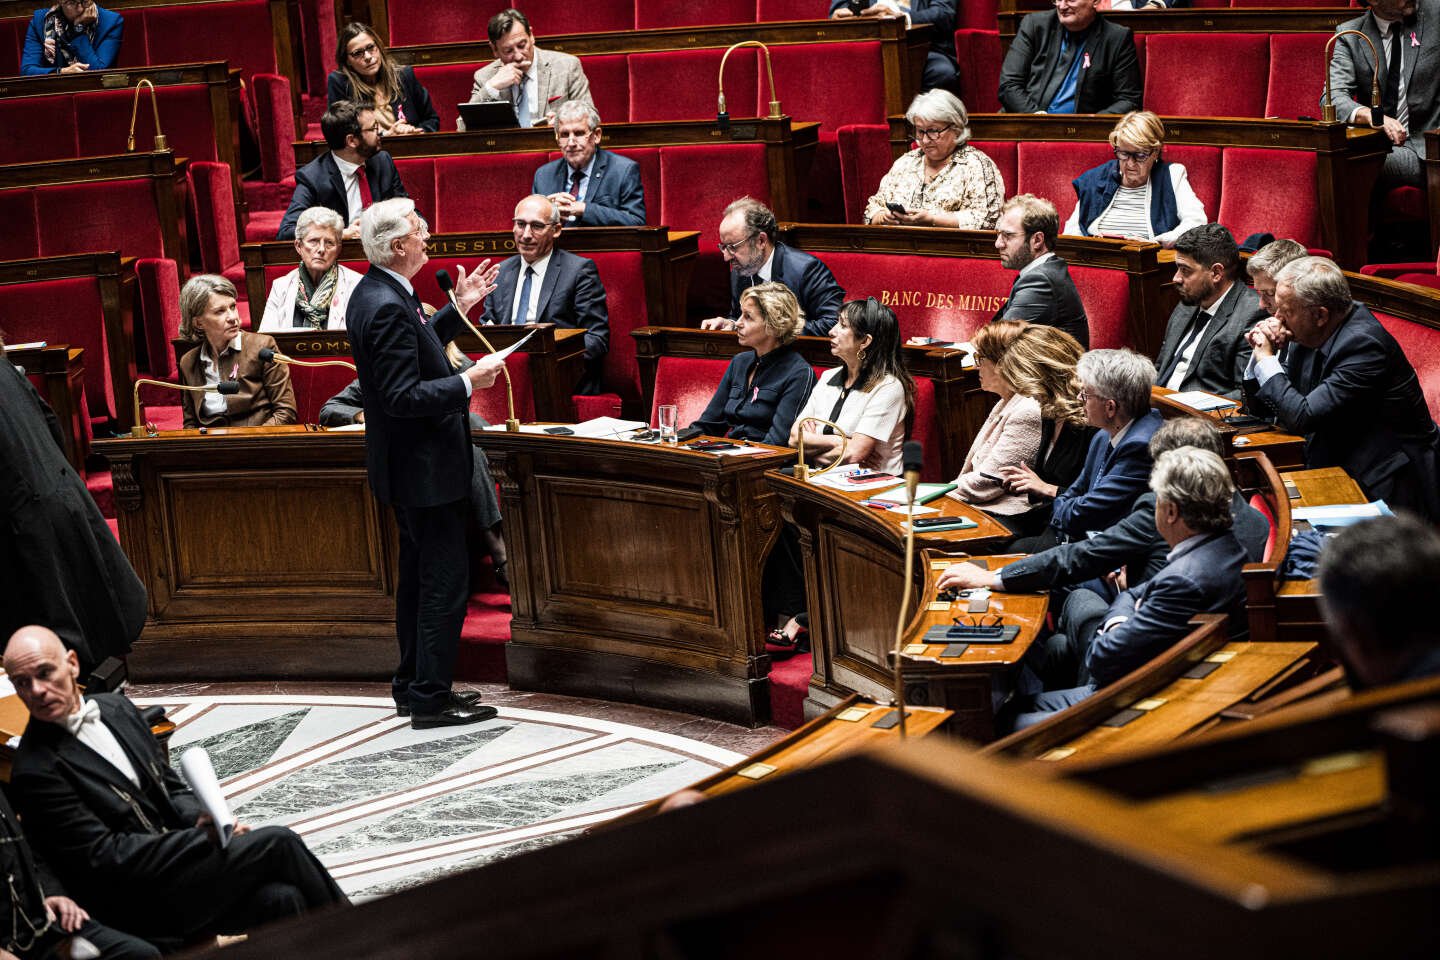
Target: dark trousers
(429,602)
(112,944)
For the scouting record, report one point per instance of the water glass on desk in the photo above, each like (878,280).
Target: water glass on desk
(667,416)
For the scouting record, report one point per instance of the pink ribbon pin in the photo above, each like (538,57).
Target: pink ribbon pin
(1414,42)
(1086,64)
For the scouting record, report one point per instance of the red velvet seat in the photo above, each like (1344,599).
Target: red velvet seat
(943,297)
(779,11)
(213,206)
(609,76)
(1270,191)
(157,301)
(49,125)
(491,404)
(979,55)
(1106,295)
(975,14)
(448,84)
(189,33)
(1046,169)
(622,274)
(116,215)
(318,38)
(20,239)
(71,311)
(103,121)
(480,192)
(687,382)
(697,182)
(1202,168)
(275,125)
(649,160)
(681,84)
(418,175)
(926,429)
(315,385)
(560,16)
(1003,152)
(1297,74)
(683,13)
(1197,74)
(12,42)
(864,152)
(1422,348)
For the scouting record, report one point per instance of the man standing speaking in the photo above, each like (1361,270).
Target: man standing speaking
(417,450)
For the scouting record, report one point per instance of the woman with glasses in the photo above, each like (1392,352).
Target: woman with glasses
(368,76)
(1136,196)
(943,182)
(315,294)
(71,37)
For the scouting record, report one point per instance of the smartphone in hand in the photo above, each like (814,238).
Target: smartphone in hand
(896,208)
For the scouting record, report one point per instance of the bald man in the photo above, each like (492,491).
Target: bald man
(123,831)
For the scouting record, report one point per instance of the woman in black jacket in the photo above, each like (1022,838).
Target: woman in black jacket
(368,76)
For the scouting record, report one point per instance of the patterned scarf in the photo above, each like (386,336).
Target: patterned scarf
(312,306)
(62,31)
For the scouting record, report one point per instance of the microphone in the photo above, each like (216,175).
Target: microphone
(226,388)
(722,115)
(1377,109)
(161,142)
(802,472)
(913,457)
(267,355)
(447,286)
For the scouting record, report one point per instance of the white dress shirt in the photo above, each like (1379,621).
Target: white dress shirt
(1187,347)
(350,174)
(528,314)
(87,727)
(214,403)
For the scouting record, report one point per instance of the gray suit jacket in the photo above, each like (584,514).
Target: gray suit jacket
(1218,363)
(558,77)
(1351,71)
(1046,294)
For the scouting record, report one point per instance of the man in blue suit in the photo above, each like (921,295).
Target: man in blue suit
(351,176)
(592,187)
(747,241)
(544,284)
(417,450)
(1193,493)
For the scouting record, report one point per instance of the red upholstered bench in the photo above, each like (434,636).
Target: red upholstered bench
(480,191)
(49,125)
(1297,74)
(684,13)
(864,153)
(779,11)
(687,382)
(1270,191)
(102,119)
(418,175)
(681,84)
(1421,344)
(944,297)
(1046,169)
(980,55)
(491,404)
(1205,74)
(448,84)
(213,212)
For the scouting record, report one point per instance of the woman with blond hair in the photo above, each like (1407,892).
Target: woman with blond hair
(1138,195)
(1010,436)
(223,352)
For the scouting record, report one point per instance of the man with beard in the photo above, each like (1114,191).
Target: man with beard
(1043,292)
(592,187)
(1205,346)
(354,174)
(747,241)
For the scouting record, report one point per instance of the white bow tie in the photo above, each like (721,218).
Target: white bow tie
(88,713)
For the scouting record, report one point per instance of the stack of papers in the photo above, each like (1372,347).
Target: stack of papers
(1341,515)
(1202,401)
(839,479)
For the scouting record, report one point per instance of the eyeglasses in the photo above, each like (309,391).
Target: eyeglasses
(1134,156)
(537,226)
(734,248)
(930,133)
(1084,395)
(363,52)
(579,136)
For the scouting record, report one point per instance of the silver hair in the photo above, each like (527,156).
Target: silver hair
(1120,375)
(382,223)
(1198,484)
(944,107)
(1272,257)
(574,110)
(319,217)
(195,298)
(1318,282)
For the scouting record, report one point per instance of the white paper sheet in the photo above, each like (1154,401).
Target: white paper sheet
(195,766)
(608,428)
(502,354)
(1200,400)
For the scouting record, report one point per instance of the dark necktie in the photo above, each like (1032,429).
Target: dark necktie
(1197,324)
(1392,72)
(522,107)
(575,179)
(523,312)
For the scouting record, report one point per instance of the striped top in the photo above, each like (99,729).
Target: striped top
(1128,214)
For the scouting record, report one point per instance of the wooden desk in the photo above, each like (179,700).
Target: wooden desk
(1283,449)
(635,571)
(60,371)
(1324,486)
(974,683)
(853,557)
(263,552)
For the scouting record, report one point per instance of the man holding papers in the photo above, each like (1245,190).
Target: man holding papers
(123,831)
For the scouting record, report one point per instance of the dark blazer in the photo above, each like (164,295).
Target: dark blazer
(613,197)
(318,184)
(1032,74)
(1109,483)
(265,398)
(1358,403)
(118,848)
(810,280)
(940,14)
(1133,543)
(761,408)
(571,295)
(101,55)
(414,101)
(1205,579)
(417,433)
(1218,363)
(1046,294)
(1351,73)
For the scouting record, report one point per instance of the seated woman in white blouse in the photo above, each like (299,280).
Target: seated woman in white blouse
(1138,195)
(315,294)
(1010,436)
(871,396)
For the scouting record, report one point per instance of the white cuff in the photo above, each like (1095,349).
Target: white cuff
(469,387)
(1266,367)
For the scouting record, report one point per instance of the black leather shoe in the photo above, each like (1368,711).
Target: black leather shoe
(463,701)
(452,716)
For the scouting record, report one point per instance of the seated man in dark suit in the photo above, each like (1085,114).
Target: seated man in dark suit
(1115,389)
(1070,60)
(1133,546)
(1376,587)
(1043,291)
(747,241)
(1346,386)
(1202,574)
(354,174)
(941,68)
(592,187)
(555,286)
(1205,346)
(120,828)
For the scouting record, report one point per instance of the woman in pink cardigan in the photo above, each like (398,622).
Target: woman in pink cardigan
(1010,435)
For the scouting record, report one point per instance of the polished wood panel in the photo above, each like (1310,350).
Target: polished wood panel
(635,571)
(263,552)
(61,371)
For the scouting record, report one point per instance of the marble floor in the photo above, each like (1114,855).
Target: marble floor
(386,807)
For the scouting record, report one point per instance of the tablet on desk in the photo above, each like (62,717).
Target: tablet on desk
(492,115)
